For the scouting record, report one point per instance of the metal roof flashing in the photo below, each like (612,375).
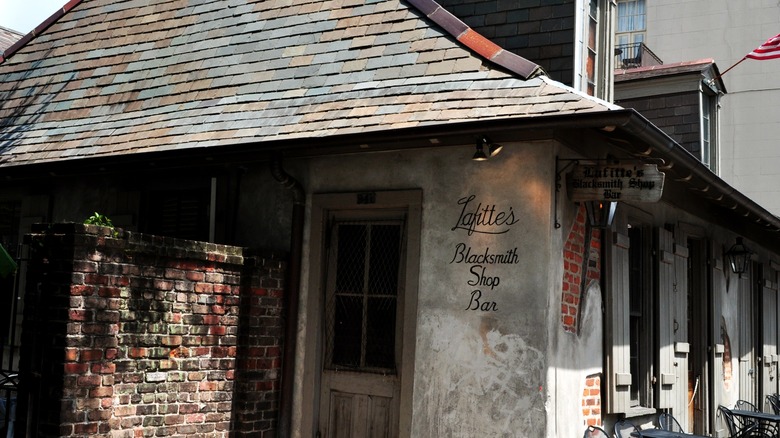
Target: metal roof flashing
(475,41)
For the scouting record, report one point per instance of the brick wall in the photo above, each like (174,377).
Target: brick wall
(133,335)
(591,400)
(581,266)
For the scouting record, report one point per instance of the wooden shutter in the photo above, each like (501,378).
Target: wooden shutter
(618,366)
(718,350)
(681,335)
(665,381)
(769,336)
(745,324)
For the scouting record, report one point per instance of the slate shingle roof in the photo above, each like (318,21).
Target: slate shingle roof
(114,77)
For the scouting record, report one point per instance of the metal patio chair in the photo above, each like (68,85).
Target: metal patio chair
(735,427)
(623,428)
(757,428)
(774,402)
(745,405)
(595,432)
(666,421)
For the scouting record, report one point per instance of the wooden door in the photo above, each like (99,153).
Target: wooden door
(363,325)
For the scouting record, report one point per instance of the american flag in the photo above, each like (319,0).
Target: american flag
(769,50)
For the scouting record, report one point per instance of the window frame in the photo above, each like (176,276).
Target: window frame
(594,55)
(708,128)
(395,218)
(632,33)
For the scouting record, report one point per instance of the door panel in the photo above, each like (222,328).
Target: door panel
(360,415)
(360,385)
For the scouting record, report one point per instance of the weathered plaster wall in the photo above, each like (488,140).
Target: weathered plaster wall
(576,343)
(480,366)
(579,359)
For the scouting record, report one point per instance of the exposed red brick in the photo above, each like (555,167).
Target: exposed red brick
(143,323)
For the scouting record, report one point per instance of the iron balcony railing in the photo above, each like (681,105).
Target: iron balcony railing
(635,55)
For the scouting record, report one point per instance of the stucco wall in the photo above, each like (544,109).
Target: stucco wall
(481,333)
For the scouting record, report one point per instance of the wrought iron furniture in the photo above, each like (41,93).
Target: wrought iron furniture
(666,421)
(774,402)
(735,425)
(595,432)
(760,424)
(624,428)
(660,433)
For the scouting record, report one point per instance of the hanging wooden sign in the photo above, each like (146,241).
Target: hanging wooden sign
(635,182)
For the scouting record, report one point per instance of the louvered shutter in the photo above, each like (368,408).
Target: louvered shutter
(666,379)
(681,336)
(618,364)
(718,350)
(769,327)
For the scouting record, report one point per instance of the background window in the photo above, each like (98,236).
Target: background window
(631,27)
(183,214)
(596,48)
(708,131)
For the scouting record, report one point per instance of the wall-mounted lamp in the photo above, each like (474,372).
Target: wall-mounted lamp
(739,257)
(484,144)
(600,213)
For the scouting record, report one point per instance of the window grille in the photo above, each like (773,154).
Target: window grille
(362,296)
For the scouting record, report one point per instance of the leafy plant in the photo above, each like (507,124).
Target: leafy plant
(99,219)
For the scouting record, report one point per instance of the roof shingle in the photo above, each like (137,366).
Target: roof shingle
(115,77)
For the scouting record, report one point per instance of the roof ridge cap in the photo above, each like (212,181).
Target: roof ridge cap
(37,30)
(475,41)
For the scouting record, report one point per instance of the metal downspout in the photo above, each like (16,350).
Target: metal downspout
(293,276)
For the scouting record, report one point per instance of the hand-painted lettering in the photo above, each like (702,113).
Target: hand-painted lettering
(485,219)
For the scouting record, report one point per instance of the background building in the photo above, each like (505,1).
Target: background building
(746,154)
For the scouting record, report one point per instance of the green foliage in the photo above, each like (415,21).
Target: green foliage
(99,219)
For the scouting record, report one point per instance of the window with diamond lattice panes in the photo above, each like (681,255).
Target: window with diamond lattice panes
(363,299)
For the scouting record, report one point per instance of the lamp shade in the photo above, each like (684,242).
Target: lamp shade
(600,213)
(479,155)
(739,257)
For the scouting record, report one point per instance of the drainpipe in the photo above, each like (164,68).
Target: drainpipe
(292,296)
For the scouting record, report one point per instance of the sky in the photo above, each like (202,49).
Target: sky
(23,15)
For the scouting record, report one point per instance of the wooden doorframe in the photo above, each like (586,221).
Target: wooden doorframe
(313,298)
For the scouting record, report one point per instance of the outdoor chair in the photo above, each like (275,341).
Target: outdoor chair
(757,429)
(745,405)
(763,430)
(595,432)
(666,421)
(736,428)
(623,428)
(774,403)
